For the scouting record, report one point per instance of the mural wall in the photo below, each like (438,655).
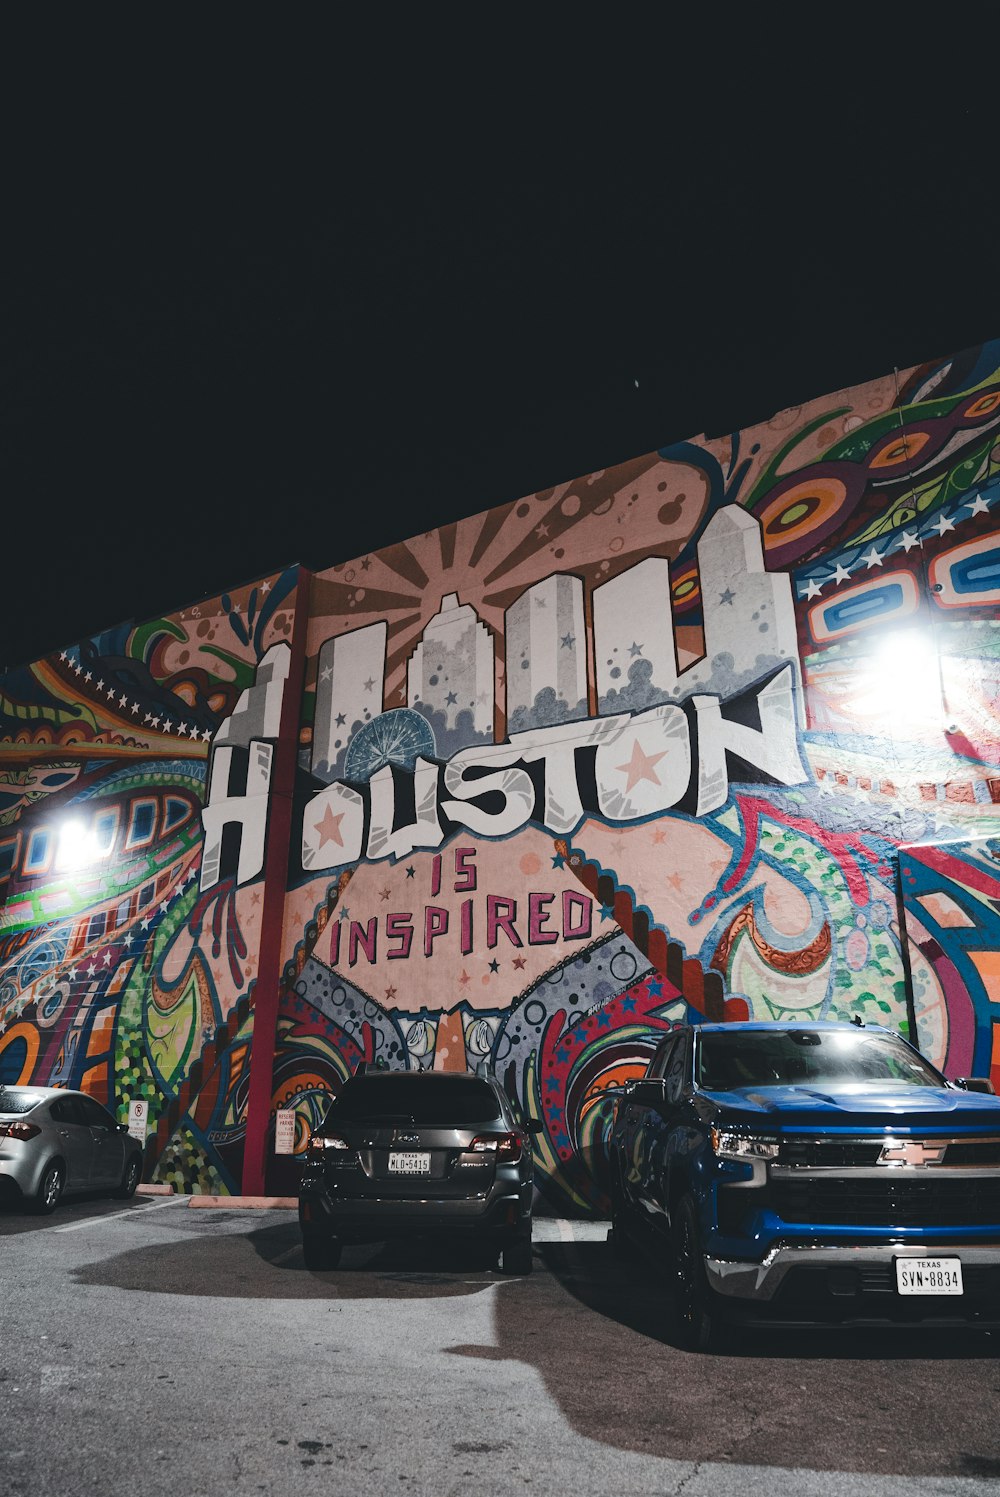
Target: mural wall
(712,734)
(130,917)
(661,743)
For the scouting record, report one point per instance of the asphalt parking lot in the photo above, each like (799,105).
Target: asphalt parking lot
(155,1348)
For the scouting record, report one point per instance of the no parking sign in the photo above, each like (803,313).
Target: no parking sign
(138,1119)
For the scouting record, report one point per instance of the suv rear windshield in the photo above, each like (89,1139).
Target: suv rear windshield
(797,1057)
(14,1099)
(449,1100)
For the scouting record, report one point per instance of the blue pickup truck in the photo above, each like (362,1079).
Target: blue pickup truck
(810,1174)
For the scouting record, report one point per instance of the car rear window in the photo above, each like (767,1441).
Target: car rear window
(453,1100)
(18,1099)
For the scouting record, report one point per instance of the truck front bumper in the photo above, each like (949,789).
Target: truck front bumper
(760,1283)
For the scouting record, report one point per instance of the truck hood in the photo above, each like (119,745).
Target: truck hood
(862,1106)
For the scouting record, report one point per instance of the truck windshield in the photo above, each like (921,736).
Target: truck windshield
(807,1057)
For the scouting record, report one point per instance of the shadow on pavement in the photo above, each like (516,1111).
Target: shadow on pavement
(267,1264)
(16,1218)
(901,1403)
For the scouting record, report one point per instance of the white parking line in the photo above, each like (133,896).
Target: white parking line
(98,1221)
(559,1229)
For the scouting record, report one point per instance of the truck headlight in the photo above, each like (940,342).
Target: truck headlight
(728,1144)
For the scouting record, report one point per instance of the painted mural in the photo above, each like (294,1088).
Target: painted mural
(686,738)
(129,930)
(709,735)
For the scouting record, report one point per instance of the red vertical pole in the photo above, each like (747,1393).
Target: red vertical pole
(279,831)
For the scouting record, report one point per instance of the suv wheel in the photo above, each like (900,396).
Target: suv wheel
(699,1323)
(515,1256)
(319,1251)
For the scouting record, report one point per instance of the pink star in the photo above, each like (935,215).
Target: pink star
(641,766)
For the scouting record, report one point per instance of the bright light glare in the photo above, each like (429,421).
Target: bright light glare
(75,846)
(903,681)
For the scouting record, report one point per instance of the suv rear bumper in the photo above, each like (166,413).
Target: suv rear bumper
(759,1283)
(499,1215)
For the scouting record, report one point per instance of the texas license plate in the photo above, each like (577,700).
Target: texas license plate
(929,1276)
(409,1164)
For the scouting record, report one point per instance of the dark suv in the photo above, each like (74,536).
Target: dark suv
(413,1153)
(812,1173)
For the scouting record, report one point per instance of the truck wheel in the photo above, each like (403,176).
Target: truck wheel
(699,1323)
(622,1245)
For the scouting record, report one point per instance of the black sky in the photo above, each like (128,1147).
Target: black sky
(294,294)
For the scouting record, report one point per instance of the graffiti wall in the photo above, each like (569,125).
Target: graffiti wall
(683,738)
(131,912)
(712,734)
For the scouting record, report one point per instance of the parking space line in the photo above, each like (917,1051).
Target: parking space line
(97,1221)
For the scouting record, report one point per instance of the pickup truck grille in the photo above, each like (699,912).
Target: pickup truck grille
(929,1201)
(822,1153)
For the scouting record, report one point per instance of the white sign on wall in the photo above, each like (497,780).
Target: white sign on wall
(138,1119)
(284,1131)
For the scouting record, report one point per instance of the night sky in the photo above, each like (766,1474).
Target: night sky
(296,294)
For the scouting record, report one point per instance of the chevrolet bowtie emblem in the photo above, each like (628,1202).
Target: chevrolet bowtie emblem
(911,1152)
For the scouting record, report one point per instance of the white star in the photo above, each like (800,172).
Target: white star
(979,506)
(107,959)
(128,939)
(183,727)
(908,541)
(88,971)
(89,676)
(148,718)
(77,667)
(71,974)
(110,691)
(206,735)
(265,587)
(943,525)
(99,686)
(164,907)
(145,923)
(156,722)
(167,725)
(813,588)
(873,559)
(135,707)
(63,655)
(123,701)
(842,574)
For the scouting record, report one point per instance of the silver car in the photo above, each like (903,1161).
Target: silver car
(53,1141)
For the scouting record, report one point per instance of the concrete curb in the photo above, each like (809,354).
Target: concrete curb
(224,1203)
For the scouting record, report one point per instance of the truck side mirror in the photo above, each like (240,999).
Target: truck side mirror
(975,1084)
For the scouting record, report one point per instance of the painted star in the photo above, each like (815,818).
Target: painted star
(123,701)
(520,962)
(842,574)
(607,912)
(568,641)
(340,719)
(660,834)
(384,893)
(88,676)
(390,993)
(343,913)
(369,683)
(813,588)
(541,531)
(450,699)
(943,525)
(329,828)
(366,562)
(979,506)
(410,872)
(641,766)
(494,965)
(727,596)
(558,861)
(635,649)
(326,674)
(873,559)
(675,881)
(465,979)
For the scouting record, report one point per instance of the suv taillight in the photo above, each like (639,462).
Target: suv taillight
(23,1131)
(326,1146)
(506,1145)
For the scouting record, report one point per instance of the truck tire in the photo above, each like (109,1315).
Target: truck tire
(700,1326)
